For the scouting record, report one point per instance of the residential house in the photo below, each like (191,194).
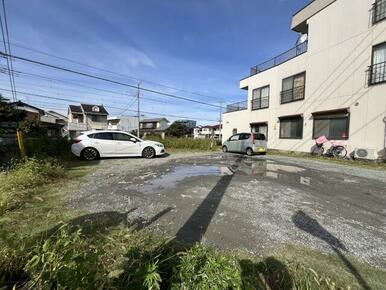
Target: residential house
(207,132)
(154,126)
(332,83)
(32,113)
(86,117)
(55,123)
(122,123)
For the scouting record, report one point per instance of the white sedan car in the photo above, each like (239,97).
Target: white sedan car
(94,144)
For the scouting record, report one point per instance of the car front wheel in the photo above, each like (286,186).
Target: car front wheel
(148,152)
(90,154)
(224,149)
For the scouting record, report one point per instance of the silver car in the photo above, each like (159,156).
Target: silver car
(249,143)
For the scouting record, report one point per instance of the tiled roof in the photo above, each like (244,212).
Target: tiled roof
(90,109)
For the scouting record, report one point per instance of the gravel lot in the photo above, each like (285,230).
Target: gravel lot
(255,203)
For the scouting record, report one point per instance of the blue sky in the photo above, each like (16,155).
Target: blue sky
(203,46)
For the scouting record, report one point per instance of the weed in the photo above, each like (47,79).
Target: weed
(204,268)
(65,260)
(23,177)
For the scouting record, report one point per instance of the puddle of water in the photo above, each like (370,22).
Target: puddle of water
(178,173)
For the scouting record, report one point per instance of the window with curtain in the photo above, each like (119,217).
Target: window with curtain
(379,11)
(293,88)
(291,127)
(260,98)
(333,126)
(378,66)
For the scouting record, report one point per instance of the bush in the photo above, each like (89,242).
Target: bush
(22,178)
(47,146)
(204,268)
(185,143)
(64,261)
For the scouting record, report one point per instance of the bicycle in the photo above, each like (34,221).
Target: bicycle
(336,150)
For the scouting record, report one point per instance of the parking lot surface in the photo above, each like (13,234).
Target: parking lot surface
(258,204)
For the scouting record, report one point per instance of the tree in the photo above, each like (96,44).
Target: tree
(177,130)
(8,113)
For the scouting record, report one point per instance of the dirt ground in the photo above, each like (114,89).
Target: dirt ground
(258,204)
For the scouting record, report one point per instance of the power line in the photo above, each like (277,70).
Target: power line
(34,86)
(107,106)
(9,47)
(105,79)
(112,72)
(11,80)
(79,85)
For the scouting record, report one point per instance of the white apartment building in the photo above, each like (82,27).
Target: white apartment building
(207,132)
(123,123)
(332,83)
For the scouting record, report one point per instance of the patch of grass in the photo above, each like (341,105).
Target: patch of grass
(204,268)
(185,143)
(23,177)
(41,246)
(379,165)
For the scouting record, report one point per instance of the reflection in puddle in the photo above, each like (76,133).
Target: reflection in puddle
(178,173)
(152,182)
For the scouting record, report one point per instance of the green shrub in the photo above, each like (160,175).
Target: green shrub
(204,268)
(44,146)
(65,261)
(185,143)
(12,261)
(22,178)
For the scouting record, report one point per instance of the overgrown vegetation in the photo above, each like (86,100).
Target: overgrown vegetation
(186,143)
(44,245)
(124,259)
(23,177)
(44,146)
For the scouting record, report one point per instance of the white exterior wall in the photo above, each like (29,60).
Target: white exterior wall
(340,44)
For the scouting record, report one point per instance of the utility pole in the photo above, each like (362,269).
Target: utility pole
(138,109)
(220,128)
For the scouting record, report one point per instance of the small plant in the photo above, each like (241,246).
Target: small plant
(204,268)
(64,261)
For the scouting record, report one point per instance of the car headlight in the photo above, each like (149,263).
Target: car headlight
(159,145)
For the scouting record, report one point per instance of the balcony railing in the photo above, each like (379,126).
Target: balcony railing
(379,11)
(377,73)
(292,95)
(237,107)
(260,103)
(282,58)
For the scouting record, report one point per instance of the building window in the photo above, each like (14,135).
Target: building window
(260,98)
(377,70)
(293,88)
(95,109)
(334,126)
(96,118)
(291,127)
(379,11)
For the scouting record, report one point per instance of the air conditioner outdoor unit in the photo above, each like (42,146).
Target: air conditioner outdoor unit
(365,153)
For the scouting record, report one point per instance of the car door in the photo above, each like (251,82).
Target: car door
(233,143)
(104,143)
(126,144)
(243,143)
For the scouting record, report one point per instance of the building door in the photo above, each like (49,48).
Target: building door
(260,128)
